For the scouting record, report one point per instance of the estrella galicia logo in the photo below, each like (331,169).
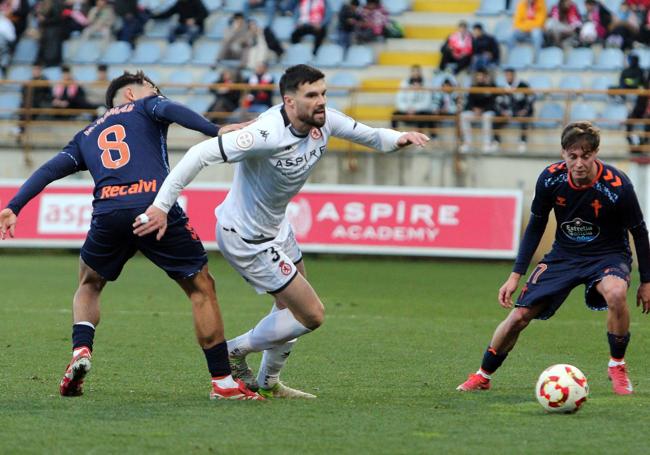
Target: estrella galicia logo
(580,231)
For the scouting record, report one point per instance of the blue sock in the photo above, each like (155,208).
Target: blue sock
(82,335)
(618,345)
(217,358)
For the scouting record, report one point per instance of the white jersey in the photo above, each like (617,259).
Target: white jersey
(273,162)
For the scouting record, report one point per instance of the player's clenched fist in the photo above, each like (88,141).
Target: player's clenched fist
(153,219)
(7,223)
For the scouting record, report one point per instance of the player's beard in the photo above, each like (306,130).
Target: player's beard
(310,119)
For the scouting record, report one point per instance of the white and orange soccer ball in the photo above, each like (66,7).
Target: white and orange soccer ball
(562,388)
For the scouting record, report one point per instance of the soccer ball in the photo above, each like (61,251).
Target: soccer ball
(562,388)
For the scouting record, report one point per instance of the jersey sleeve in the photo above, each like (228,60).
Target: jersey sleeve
(64,163)
(256,140)
(343,126)
(162,109)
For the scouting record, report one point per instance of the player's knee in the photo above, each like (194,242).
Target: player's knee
(615,296)
(519,319)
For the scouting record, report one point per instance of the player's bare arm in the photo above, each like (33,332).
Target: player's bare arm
(643,297)
(7,223)
(234,127)
(507,289)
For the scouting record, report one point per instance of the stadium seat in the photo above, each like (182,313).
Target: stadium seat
(491,7)
(215,26)
(283,27)
(335,4)
(540,82)
(297,54)
(328,56)
(613,116)
(570,82)
(438,79)
(503,30)
(233,6)
(199,103)
(26,51)
(610,59)
(9,102)
(117,53)
(178,77)
(550,115)
(599,83)
(16,73)
(86,73)
(549,58)
(582,111)
(340,82)
(520,57)
(52,73)
(158,28)
(177,53)
(147,52)
(395,7)
(205,53)
(213,5)
(579,58)
(358,57)
(613,5)
(87,52)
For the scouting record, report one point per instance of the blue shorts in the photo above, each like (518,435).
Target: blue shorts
(111,242)
(557,274)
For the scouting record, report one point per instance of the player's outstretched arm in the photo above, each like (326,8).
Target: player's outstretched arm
(153,219)
(643,297)
(7,223)
(507,289)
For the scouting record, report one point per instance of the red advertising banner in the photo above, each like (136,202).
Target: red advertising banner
(326,218)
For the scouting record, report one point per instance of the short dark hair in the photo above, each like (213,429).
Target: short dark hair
(581,132)
(122,81)
(297,75)
(65,69)
(478,26)
(102,67)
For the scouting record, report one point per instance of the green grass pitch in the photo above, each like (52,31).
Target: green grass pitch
(399,336)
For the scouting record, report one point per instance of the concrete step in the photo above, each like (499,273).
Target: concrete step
(418,45)
(446,6)
(432,18)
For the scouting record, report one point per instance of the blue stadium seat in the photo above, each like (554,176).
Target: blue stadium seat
(158,28)
(491,7)
(52,73)
(87,52)
(178,77)
(613,5)
(117,53)
(613,116)
(147,52)
(644,57)
(205,53)
(86,73)
(395,7)
(438,79)
(215,26)
(213,5)
(233,6)
(540,81)
(296,54)
(549,58)
(177,53)
(19,73)
(199,103)
(283,27)
(26,51)
(9,102)
(520,57)
(579,58)
(582,111)
(340,83)
(503,30)
(359,57)
(570,82)
(610,59)
(599,83)
(550,115)
(329,55)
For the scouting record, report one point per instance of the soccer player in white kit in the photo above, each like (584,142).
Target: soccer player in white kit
(273,157)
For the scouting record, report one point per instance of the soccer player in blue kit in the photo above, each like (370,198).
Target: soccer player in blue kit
(125,152)
(595,206)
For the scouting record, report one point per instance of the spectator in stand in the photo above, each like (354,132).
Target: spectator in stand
(96,92)
(644,29)
(444,102)
(349,20)
(38,96)
(18,14)
(75,16)
(374,19)
(236,39)
(641,111)
(562,24)
(258,49)
(632,77)
(191,18)
(485,49)
(479,106)
(101,19)
(412,101)
(457,49)
(226,98)
(312,18)
(7,40)
(528,24)
(596,24)
(269,6)
(132,18)
(49,16)
(514,103)
(68,94)
(259,100)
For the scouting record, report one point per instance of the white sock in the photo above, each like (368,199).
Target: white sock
(483,373)
(226,382)
(273,360)
(615,363)
(274,330)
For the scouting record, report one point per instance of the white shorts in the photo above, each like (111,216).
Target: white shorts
(268,266)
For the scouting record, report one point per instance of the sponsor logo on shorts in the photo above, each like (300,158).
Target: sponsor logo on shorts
(285,268)
(579,230)
(142,186)
(245,140)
